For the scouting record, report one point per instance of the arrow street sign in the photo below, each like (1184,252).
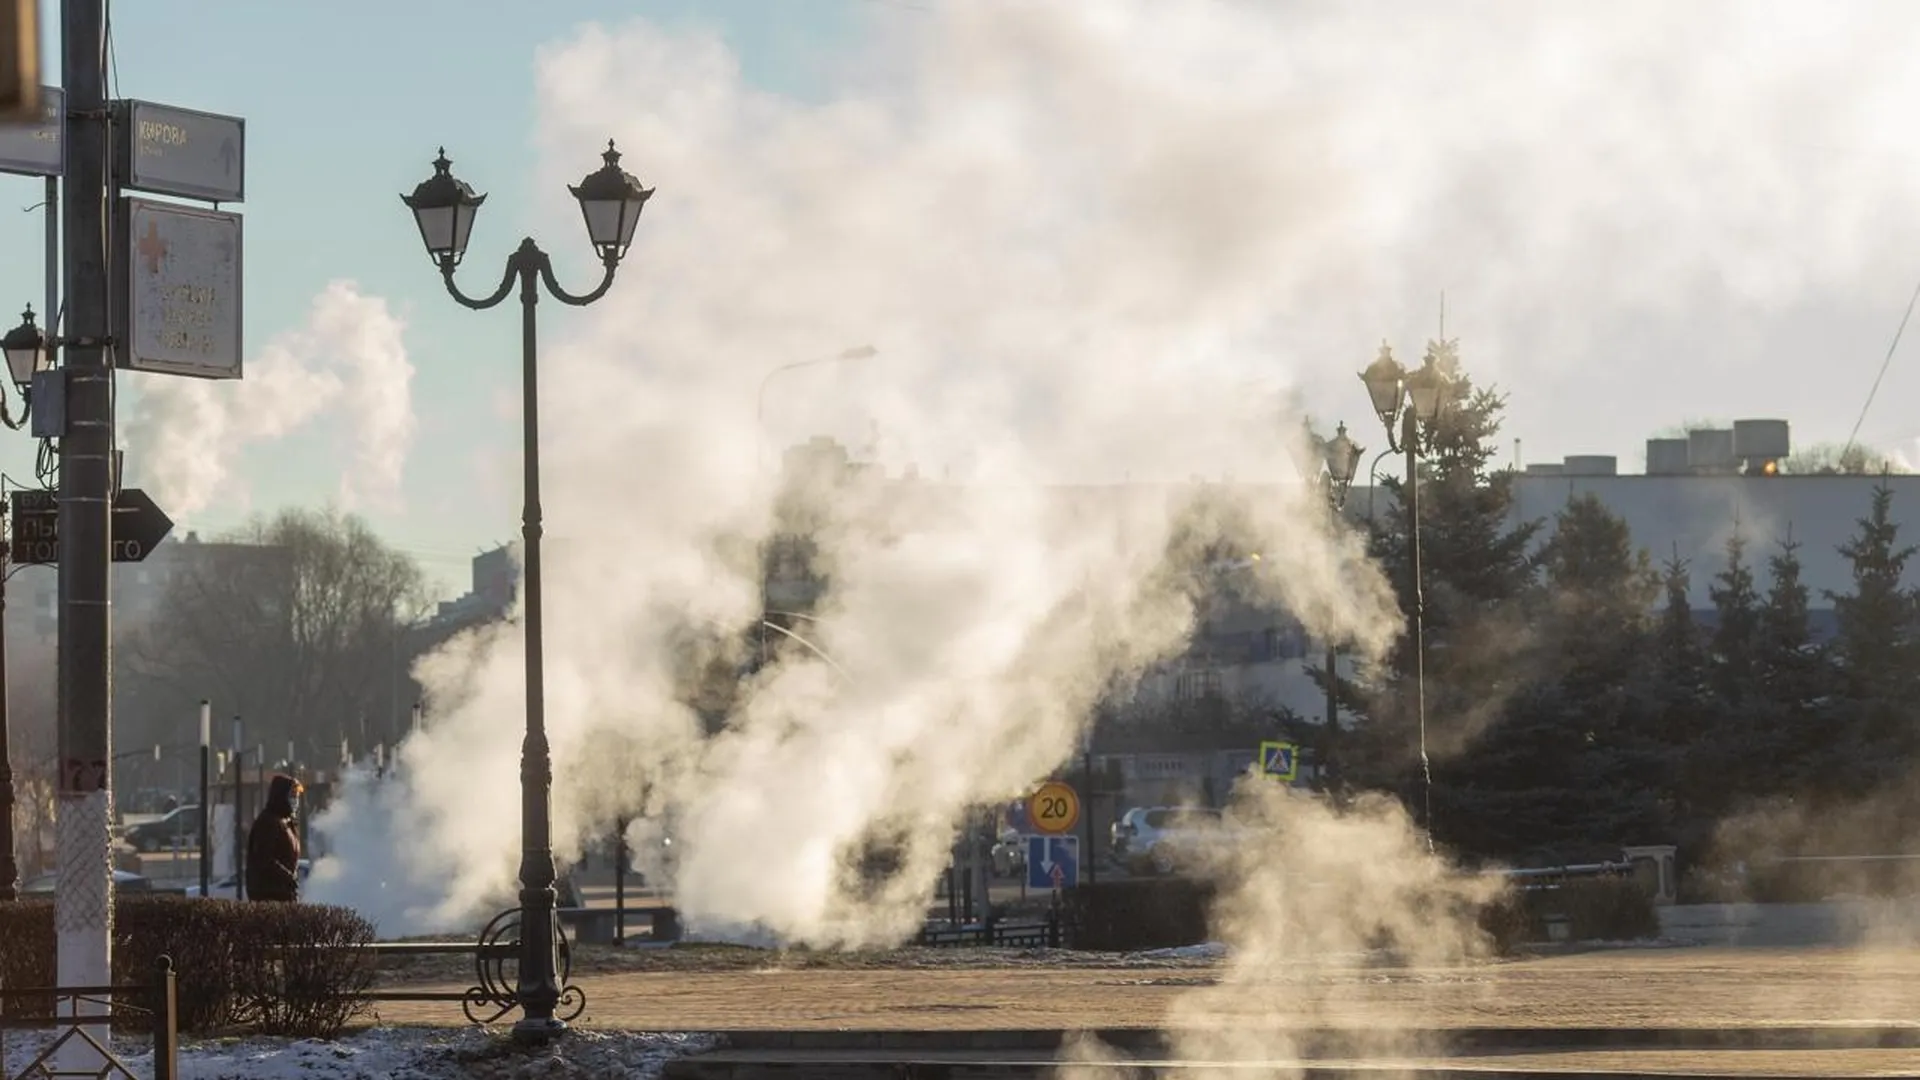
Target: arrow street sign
(173,151)
(138,526)
(1053,862)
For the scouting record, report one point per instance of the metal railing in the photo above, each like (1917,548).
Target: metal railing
(162,1005)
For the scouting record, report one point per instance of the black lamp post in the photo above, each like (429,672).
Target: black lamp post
(1332,469)
(1409,403)
(443,207)
(27,354)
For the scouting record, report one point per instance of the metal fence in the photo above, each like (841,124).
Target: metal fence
(161,1005)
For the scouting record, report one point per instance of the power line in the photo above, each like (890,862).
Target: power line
(1884,364)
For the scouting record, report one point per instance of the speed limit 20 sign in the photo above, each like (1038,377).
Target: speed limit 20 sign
(1053,808)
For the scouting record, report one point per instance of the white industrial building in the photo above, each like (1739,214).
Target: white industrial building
(1695,493)
(1699,490)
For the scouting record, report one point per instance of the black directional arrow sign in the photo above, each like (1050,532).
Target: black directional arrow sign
(138,526)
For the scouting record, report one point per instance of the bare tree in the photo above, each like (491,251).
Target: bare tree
(1833,458)
(295,623)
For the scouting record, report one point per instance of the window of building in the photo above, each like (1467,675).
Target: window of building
(1194,685)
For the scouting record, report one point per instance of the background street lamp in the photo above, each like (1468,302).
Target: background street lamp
(443,208)
(858,352)
(1332,469)
(1409,404)
(27,355)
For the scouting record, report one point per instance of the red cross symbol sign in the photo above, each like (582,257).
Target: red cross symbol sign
(152,248)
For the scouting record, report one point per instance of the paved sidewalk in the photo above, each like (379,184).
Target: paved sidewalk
(1635,988)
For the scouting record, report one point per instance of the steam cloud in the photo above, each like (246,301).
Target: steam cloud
(186,436)
(1092,241)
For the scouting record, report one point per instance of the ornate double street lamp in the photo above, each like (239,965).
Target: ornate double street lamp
(1331,469)
(443,207)
(1409,405)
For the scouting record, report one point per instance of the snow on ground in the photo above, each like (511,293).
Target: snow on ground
(400,1054)
(1211,950)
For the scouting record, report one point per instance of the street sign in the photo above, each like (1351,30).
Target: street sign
(138,526)
(177,287)
(1280,760)
(1053,808)
(1053,862)
(172,151)
(37,149)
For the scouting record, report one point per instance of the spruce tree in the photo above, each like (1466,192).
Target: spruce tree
(1683,710)
(1875,652)
(1677,638)
(1563,773)
(1793,672)
(1875,642)
(1734,661)
(1788,659)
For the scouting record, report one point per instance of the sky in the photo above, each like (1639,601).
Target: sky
(345,106)
(346,103)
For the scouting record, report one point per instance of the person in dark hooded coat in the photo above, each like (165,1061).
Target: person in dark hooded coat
(273,846)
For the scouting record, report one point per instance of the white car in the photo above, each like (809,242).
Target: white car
(228,888)
(1168,839)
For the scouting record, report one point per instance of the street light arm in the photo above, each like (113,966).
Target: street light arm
(499,294)
(565,297)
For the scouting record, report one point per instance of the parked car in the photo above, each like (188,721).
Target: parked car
(178,828)
(1010,853)
(228,888)
(1167,839)
(123,880)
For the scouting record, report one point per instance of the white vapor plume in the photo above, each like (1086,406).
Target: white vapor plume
(187,437)
(1090,241)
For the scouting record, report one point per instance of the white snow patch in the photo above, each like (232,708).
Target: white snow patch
(1206,950)
(399,1054)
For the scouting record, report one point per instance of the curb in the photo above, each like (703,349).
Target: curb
(1332,1042)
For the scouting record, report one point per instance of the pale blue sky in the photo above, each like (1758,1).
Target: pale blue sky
(345,103)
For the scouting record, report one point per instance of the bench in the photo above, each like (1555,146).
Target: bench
(496,962)
(590,926)
(601,926)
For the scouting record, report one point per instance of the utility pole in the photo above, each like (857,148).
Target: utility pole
(83,894)
(9,864)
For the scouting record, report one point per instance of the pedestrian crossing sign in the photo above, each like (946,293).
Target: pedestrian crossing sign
(1280,760)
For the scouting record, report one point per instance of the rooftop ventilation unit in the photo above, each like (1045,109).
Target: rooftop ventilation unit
(1760,440)
(1710,451)
(1592,465)
(1667,457)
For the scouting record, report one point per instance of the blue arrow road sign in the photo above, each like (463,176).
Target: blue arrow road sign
(1053,862)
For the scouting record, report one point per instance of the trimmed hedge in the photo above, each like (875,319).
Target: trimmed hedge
(278,969)
(1606,909)
(1126,916)
(1596,909)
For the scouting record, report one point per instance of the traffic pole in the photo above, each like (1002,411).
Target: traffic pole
(83,893)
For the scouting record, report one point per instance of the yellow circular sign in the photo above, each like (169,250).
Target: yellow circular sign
(1053,808)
